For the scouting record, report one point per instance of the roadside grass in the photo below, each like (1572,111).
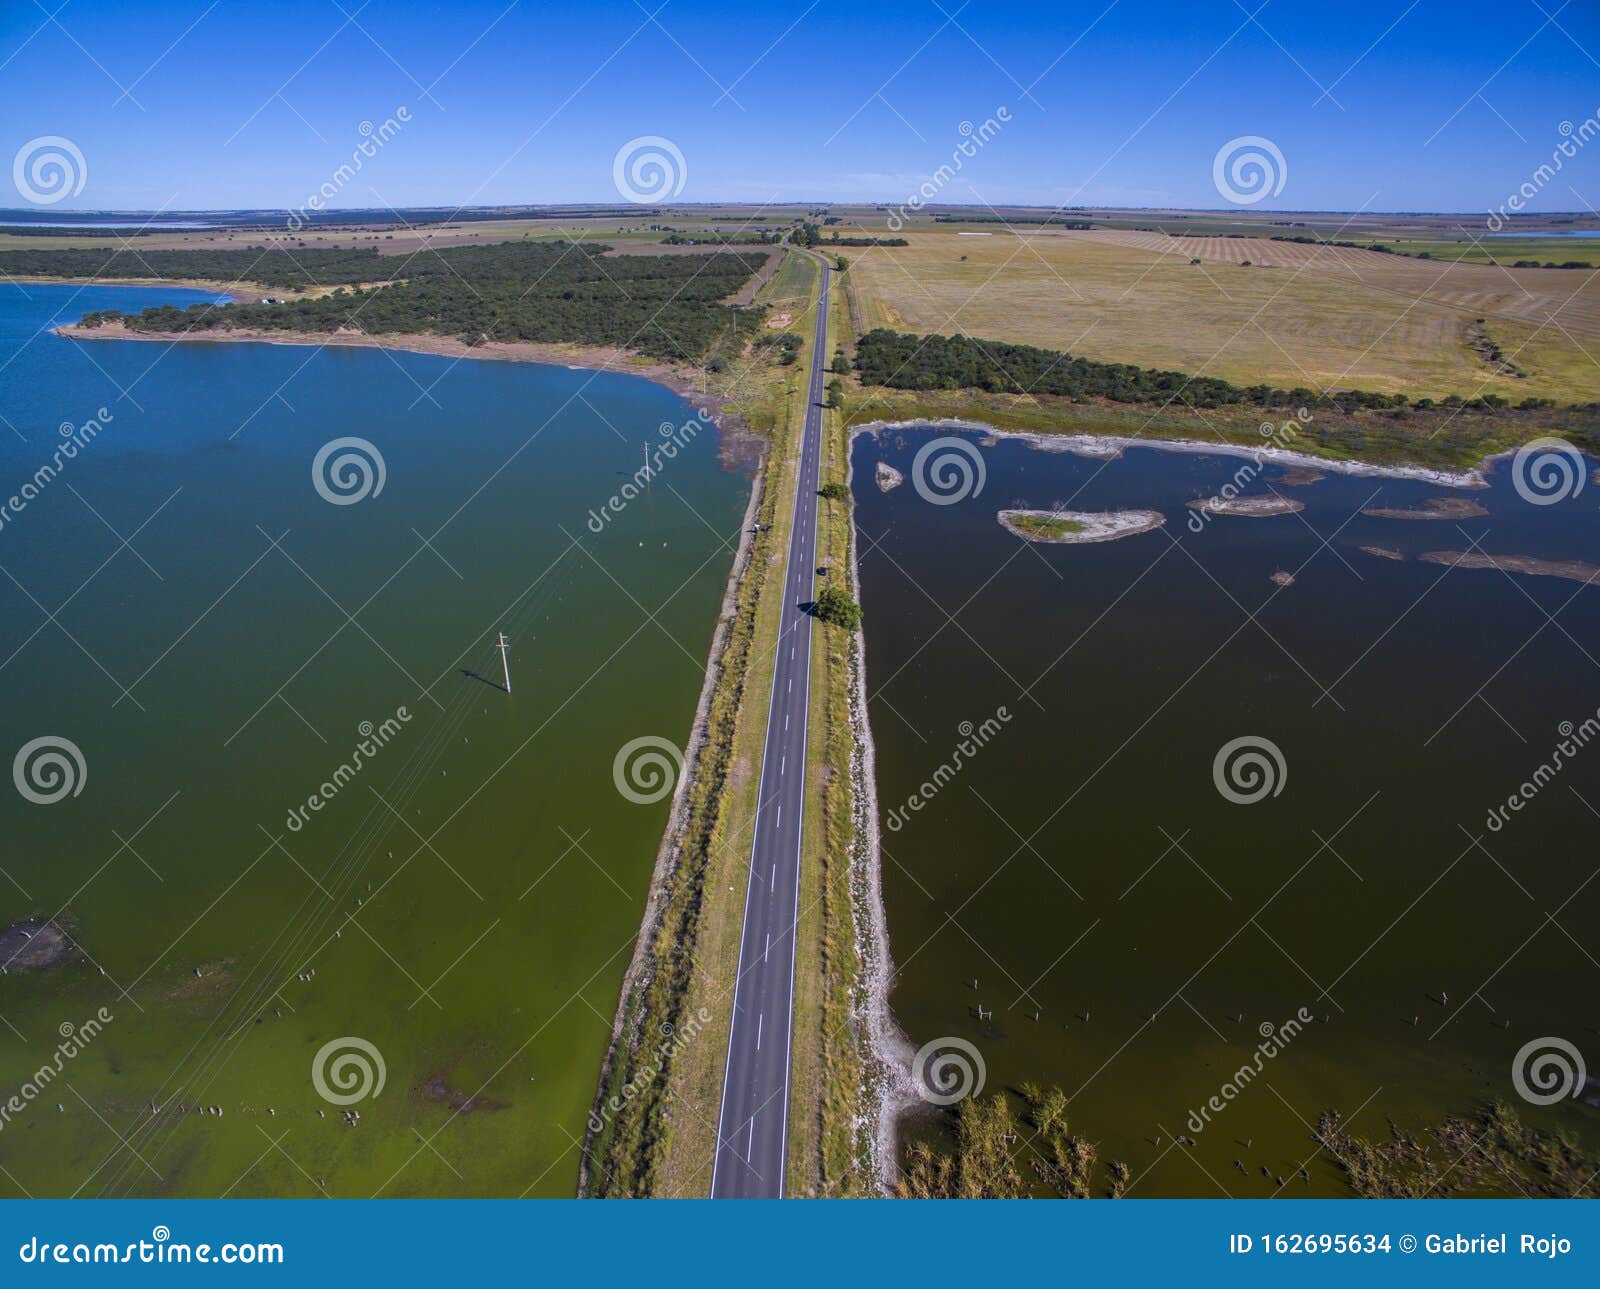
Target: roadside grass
(829,1057)
(664,1140)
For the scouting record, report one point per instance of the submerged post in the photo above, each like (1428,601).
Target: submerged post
(505,665)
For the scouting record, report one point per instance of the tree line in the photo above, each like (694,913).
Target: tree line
(665,306)
(900,361)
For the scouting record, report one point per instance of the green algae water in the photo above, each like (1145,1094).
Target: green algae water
(349,918)
(1137,936)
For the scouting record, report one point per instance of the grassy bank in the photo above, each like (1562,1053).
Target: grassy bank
(1439,439)
(827,1143)
(660,1137)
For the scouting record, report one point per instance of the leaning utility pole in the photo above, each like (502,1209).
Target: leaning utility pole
(504,663)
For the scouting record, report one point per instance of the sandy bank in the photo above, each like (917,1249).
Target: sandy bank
(1248,507)
(682,380)
(1088,525)
(1571,570)
(1111,445)
(1432,508)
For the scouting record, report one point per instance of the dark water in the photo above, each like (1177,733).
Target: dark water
(183,605)
(1084,864)
(1588,233)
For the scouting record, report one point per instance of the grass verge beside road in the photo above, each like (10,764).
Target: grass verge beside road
(658,1110)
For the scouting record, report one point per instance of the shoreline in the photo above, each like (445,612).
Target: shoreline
(669,850)
(621,362)
(891,1092)
(1100,446)
(236,292)
(1095,526)
(738,447)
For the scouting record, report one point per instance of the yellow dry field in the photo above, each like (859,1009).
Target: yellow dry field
(1297,315)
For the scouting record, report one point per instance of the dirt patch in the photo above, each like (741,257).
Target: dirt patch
(1476,338)
(209,979)
(779,320)
(438,1091)
(35,946)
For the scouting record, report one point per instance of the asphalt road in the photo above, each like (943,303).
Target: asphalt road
(753,1127)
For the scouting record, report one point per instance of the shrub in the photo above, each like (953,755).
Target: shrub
(834,606)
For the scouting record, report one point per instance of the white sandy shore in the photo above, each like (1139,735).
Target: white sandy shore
(1255,507)
(1097,525)
(1111,445)
(890,1088)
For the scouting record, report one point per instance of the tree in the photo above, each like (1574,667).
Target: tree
(834,491)
(835,392)
(841,263)
(841,364)
(833,605)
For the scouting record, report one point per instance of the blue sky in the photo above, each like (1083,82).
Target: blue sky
(186,104)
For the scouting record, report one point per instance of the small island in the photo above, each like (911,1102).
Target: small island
(1570,569)
(1432,508)
(1382,552)
(1068,527)
(888,477)
(1247,507)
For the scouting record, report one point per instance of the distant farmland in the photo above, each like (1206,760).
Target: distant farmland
(1297,314)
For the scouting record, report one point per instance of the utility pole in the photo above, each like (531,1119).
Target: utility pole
(504,662)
